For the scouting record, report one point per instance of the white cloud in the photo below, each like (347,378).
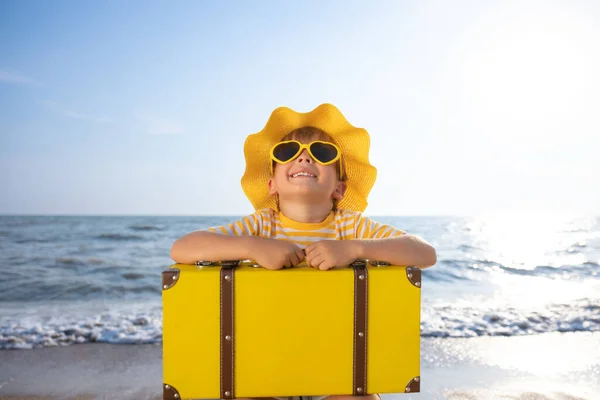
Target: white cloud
(75,114)
(11,77)
(158,126)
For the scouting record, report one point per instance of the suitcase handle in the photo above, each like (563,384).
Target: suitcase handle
(235,263)
(224,263)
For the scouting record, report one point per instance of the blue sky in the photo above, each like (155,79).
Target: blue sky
(143,107)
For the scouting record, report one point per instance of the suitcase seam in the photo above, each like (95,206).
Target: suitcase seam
(355,328)
(366,322)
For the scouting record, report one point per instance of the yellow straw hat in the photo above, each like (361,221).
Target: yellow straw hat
(354,143)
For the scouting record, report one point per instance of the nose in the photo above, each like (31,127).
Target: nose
(304,157)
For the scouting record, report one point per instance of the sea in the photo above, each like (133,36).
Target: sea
(67,280)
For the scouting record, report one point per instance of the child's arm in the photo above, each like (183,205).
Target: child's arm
(406,250)
(373,241)
(239,240)
(377,241)
(209,246)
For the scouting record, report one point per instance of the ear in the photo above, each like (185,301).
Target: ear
(272,188)
(340,190)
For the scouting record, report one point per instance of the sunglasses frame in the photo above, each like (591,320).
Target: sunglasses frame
(307,147)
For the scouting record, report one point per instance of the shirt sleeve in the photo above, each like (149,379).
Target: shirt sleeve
(366,228)
(250,225)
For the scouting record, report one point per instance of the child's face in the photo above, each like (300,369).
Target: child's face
(304,179)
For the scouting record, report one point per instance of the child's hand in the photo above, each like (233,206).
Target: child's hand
(276,254)
(327,254)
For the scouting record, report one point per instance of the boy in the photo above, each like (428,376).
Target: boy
(308,177)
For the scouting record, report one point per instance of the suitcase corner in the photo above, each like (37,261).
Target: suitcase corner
(170,278)
(170,393)
(414,386)
(414,275)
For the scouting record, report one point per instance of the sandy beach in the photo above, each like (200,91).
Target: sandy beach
(553,366)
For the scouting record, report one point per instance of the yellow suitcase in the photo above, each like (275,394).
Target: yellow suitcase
(233,330)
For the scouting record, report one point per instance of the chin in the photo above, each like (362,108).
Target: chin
(308,193)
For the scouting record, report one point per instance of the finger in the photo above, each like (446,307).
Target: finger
(301,255)
(311,248)
(316,262)
(294,259)
(310,258)
(325,265)
(273,267)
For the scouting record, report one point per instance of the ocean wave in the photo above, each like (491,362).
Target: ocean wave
(132,284)
(146,228)
(79,261)
(464,322)
(583,270)
(118,236)
(445,276)
(69,261)
(467,248)
(145,327)
(133,276)
(34,240)
(105,328)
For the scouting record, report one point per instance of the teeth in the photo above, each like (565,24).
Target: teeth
(303,174)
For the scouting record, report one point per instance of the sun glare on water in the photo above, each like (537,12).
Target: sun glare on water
(526,241)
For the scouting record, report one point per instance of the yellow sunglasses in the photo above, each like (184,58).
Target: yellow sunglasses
(325,153)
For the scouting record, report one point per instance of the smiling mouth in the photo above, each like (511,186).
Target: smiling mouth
(303,174)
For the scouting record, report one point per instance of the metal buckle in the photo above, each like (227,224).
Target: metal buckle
(376,263)
(230,263)
(201,263)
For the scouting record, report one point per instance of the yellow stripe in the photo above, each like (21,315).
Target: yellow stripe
(249,227)
(223,230)
(237,228)
(337,222)
(343,220)
(360,227)
(308,234)
(347,229)
(256,224)
(266,222)
(347,235)
(280,227)
(381,231)
(368,229)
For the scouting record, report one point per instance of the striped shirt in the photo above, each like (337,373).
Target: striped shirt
(339,225)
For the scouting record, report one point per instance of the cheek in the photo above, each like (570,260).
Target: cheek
(280,172)
(328,172)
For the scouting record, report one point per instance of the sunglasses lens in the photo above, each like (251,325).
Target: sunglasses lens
(323,152)
(285,151)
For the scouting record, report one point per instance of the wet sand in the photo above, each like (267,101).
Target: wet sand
(550,366)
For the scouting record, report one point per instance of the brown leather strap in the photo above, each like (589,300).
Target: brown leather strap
(360,329)
(227,338)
